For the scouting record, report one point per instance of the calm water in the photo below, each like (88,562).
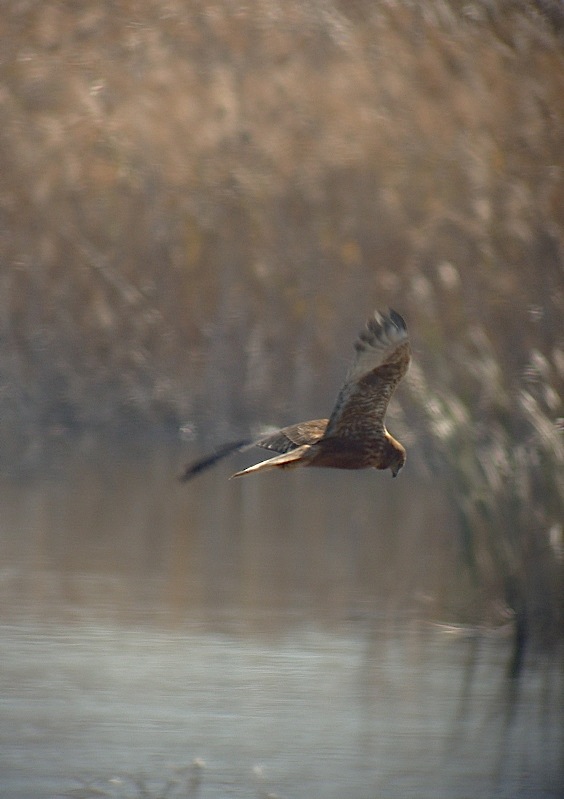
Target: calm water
(277,637)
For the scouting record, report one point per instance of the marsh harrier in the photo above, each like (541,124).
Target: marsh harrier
(355,436)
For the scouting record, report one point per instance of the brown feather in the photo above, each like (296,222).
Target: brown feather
(295,435)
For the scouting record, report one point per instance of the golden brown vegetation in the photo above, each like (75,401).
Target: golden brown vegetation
(200,199)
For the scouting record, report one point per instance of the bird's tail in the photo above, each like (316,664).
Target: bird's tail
(287,460)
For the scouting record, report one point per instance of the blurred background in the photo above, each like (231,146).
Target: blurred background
(200,204)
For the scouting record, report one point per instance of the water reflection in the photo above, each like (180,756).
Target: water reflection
(246,639)
(114,530)
(320,715)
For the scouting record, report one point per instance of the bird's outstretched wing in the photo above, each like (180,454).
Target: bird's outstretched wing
(382,358)
(282,441)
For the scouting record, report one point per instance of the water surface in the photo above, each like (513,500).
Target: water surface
(282,637)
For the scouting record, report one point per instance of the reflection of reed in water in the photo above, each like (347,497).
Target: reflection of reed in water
(426,712)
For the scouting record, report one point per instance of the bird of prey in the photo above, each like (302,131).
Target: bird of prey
(355,436)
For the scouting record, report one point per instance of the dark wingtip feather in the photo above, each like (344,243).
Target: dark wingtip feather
(397,319)
(193,469)
(380,322)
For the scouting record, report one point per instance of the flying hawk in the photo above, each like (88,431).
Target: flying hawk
(355,436)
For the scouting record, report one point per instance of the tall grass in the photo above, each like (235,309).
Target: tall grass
(501,456)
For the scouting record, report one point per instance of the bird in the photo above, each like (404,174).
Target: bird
(355,435)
